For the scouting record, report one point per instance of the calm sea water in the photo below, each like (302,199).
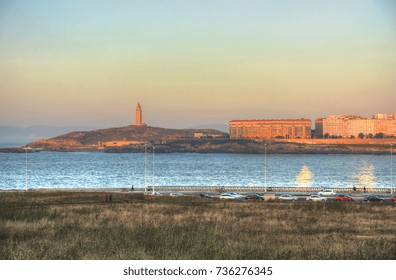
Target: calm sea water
(105,170)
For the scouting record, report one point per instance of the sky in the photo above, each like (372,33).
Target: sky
(190,63)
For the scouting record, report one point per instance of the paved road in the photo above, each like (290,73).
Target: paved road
(359,197)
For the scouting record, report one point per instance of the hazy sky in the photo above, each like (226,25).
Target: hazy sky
(194,62)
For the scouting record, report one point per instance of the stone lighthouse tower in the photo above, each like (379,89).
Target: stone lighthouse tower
(138,115)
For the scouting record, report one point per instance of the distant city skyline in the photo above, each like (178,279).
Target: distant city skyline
(191,63)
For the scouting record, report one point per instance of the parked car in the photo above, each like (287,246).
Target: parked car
(344,197)
(230,195)
(373,198)
(152,193)
(205,195)
(327,192)
(316,197)
(393,198)
(176,194)
(287,197)
(254,196)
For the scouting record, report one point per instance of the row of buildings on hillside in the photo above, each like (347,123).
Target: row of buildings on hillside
(340,126)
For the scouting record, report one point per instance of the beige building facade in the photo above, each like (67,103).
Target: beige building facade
(344,126)
(271,129)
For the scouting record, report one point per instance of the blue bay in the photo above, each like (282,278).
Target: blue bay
(106,170)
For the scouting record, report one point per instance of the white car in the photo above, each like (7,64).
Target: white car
(152,193)
(230,195)
(316,197)
(176,194)
(288,197)
(327,192)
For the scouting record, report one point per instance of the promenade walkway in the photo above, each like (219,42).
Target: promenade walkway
(245,189)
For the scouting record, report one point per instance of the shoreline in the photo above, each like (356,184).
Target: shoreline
(211,189)
(226,146)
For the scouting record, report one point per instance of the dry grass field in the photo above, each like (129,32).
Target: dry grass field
(81,225)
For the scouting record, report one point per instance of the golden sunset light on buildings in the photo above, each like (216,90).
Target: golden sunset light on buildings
(348,126)
(271,129)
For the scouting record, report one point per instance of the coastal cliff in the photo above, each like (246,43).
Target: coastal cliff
(257,147)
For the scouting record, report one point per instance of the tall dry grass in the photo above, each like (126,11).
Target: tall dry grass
(77,225)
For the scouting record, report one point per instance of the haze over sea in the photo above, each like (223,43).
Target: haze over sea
(107,170)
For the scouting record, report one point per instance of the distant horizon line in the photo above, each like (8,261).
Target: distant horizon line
(95,126)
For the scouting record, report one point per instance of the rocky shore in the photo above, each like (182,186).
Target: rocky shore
(230,146)
(12,150)
(256,147)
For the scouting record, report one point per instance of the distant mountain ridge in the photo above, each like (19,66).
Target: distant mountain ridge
(220,127)
(12,136)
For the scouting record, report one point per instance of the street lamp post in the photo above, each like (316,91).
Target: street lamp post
(145,168)
(26,168)
(265,167)
(391,145)
(153,168)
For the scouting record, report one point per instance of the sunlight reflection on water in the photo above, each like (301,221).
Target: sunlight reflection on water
(365,176)
(304,177)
